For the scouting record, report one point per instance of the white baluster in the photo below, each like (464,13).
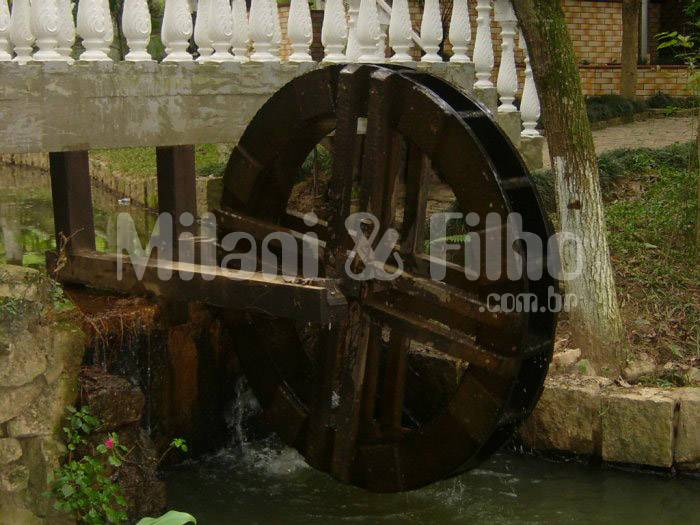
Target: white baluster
(530,103)
(5,55)
(202,27)
(177,30)
(368,32)
(334,31)
(431,31)
(262,31)
(136,24)
(299,30)
(507,81)
(460,31)
(352,52)
(21,31)
(483,48)
(45,27)
(400,32)
(221,30)
(66,29)
(92,27)
(239,35)
(109,28)
(276,28)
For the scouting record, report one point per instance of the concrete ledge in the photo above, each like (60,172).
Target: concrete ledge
(627,425)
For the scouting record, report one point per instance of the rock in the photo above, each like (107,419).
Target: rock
(66,351)
(23,283)
(24,361)
(567,416)
(10,450)
(642,366)
(694,375)
(112,399)
(14,478)
(585,368)
(45,416)
(565,359)
(42,455)
(637,427)
(13,401)
(688,432)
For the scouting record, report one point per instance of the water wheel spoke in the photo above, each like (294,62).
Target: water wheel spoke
(347,152)
(442,339)
(417,190)
(319,437)
(385,151)
(352,383)
(394,385)
(450,305)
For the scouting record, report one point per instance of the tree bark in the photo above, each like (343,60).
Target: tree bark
(697,217)
(630,47)
(595,317)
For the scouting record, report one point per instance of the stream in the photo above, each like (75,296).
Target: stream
(261,481)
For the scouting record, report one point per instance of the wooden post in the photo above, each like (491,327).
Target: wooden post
(177,188)
(72,200)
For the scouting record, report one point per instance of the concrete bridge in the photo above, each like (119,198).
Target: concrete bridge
(51,102)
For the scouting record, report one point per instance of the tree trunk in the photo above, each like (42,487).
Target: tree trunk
(595,318)
(697,217)
(630,47)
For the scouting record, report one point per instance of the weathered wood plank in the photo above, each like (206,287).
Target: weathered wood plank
(316,301)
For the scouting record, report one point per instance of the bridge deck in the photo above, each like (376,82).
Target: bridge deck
(57,107)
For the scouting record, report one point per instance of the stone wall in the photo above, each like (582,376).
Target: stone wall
(40,354)
(641,426)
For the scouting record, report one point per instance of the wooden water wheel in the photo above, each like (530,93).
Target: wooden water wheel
(420,380)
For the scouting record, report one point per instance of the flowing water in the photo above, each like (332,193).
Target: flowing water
(260,481)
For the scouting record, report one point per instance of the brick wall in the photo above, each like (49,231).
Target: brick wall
(605,80)
(595,29)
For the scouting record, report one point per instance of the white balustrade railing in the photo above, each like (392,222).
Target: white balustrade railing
(5,55)
(530,103)
(507,81)
(225,31)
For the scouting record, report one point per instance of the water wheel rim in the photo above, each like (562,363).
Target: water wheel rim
(440,120)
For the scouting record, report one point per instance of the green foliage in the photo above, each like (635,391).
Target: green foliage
(79,423)
(605,107)
(319,158)
(85,487)
(662,101)
(172,517)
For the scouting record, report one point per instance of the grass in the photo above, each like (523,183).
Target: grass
(650,198)
(651,218)
(141,162)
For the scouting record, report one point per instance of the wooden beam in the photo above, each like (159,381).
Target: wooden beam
(315,301)
(177,186)
(72,200)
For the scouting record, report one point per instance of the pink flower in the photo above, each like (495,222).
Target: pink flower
(109,443)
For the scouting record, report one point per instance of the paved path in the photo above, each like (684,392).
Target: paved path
(654,133)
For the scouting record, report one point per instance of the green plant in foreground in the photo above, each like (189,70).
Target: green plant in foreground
(86,487)
(172,517)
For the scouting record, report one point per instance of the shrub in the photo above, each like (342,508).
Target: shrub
(604,107)
(662,101)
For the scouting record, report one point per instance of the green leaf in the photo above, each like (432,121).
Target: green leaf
(172,517)
(115,461)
